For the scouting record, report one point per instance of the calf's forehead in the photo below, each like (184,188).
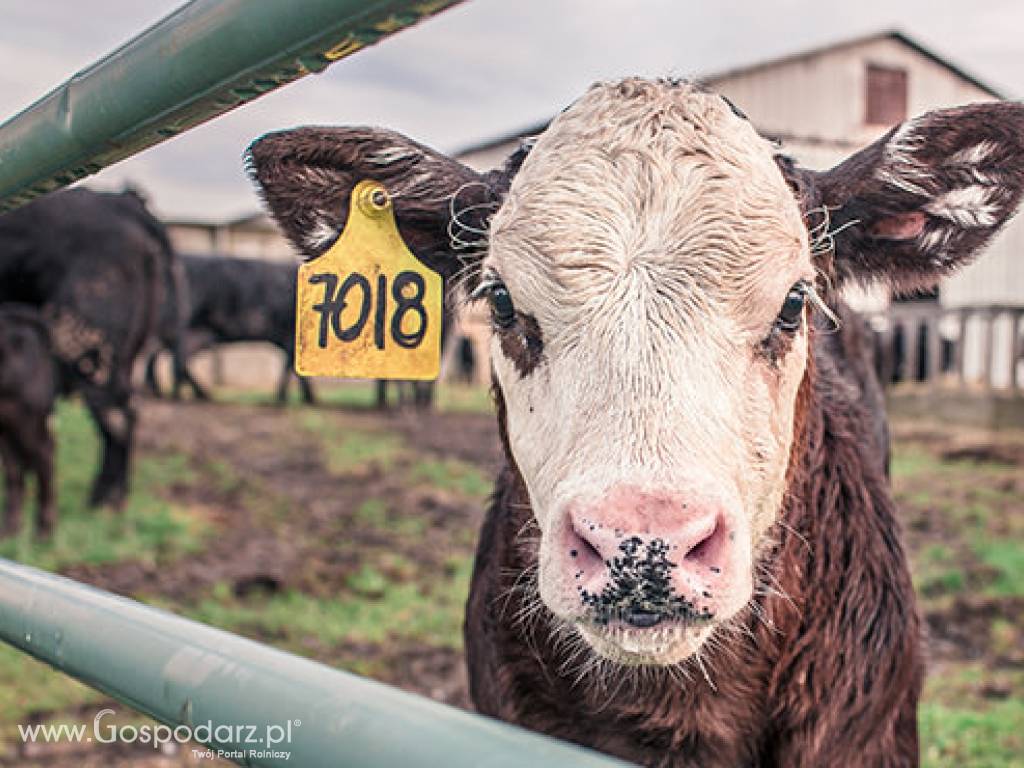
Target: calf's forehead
(655,182)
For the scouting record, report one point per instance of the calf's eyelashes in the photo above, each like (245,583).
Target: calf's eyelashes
(503,311)
(792,313)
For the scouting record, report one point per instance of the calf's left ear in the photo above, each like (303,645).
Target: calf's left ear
(925,198)
(307,176)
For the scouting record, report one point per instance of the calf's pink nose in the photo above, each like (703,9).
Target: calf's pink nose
(641,557)
(689,537)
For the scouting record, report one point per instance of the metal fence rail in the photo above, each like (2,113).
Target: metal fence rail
(206,58)
(182,672)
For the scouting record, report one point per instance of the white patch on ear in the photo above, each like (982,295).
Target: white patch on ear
(973,155)
(935,239)
(968,207)
(389,155)
(900,168)
(322,235)
(417,185)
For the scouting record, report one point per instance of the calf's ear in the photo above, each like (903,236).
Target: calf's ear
(925,198)
(306,175)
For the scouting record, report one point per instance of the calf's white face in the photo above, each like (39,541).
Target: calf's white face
(648,244)
(648,265)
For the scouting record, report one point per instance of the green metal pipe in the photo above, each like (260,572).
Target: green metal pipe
(182,672)
(206,58)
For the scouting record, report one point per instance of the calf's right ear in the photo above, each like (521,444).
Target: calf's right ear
(306,175)
(925,198)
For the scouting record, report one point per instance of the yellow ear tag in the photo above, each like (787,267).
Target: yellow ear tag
(368,308)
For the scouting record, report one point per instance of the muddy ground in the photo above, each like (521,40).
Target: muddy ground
(401,500)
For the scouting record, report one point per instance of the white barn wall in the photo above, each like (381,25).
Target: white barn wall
(824,95)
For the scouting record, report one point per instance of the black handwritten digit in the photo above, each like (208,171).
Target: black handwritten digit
(378,318)
(405,304)
(325,307)
(352,332)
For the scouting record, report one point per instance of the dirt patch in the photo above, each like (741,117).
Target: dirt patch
(964,631)
(1009,455)
(283,467)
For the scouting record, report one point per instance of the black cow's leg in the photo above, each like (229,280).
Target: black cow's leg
(423,393)
(185,349)
(286,375)
(152,384)
(115,419)
(382,394)
(197,389)
(307,390)
(285,378)
(14,486)
(41,457)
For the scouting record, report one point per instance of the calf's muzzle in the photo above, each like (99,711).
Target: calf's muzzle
(640,558)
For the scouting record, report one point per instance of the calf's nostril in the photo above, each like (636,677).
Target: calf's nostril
(642,619)
(583,548)
(702,547)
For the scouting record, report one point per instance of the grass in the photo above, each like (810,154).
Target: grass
(377,609)
(1006,557)
(149,528)
(452,475)
(967,518)
(960,736)
(350,450)
(362,396)
(961,725)
(376,514)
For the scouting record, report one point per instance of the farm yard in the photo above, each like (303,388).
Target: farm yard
(347,535)
(692,297)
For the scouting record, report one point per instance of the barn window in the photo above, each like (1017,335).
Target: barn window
(886,96)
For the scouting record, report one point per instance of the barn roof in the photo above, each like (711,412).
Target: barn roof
(711,79)
(892,34)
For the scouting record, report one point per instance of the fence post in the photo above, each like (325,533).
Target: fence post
(962,316)
(933,347)
(1016,345)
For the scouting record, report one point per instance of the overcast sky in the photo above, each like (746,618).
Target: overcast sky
(482,69)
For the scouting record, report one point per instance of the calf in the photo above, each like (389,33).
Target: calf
(28,381)
(231,300)
(91,263)
(692,557)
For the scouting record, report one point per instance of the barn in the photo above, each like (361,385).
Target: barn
(823,104)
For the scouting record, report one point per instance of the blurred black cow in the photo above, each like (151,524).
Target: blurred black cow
(28,385)
(92,263)
(230,300)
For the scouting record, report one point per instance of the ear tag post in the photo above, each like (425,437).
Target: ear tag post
(368,308)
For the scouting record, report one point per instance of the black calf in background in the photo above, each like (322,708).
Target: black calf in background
(28,386)
(231,300)
(91,263)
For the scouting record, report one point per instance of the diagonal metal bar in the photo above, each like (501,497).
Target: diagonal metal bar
(206,58)
(246,694)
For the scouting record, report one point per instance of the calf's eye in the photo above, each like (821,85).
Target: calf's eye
(792,311)
(503,312)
